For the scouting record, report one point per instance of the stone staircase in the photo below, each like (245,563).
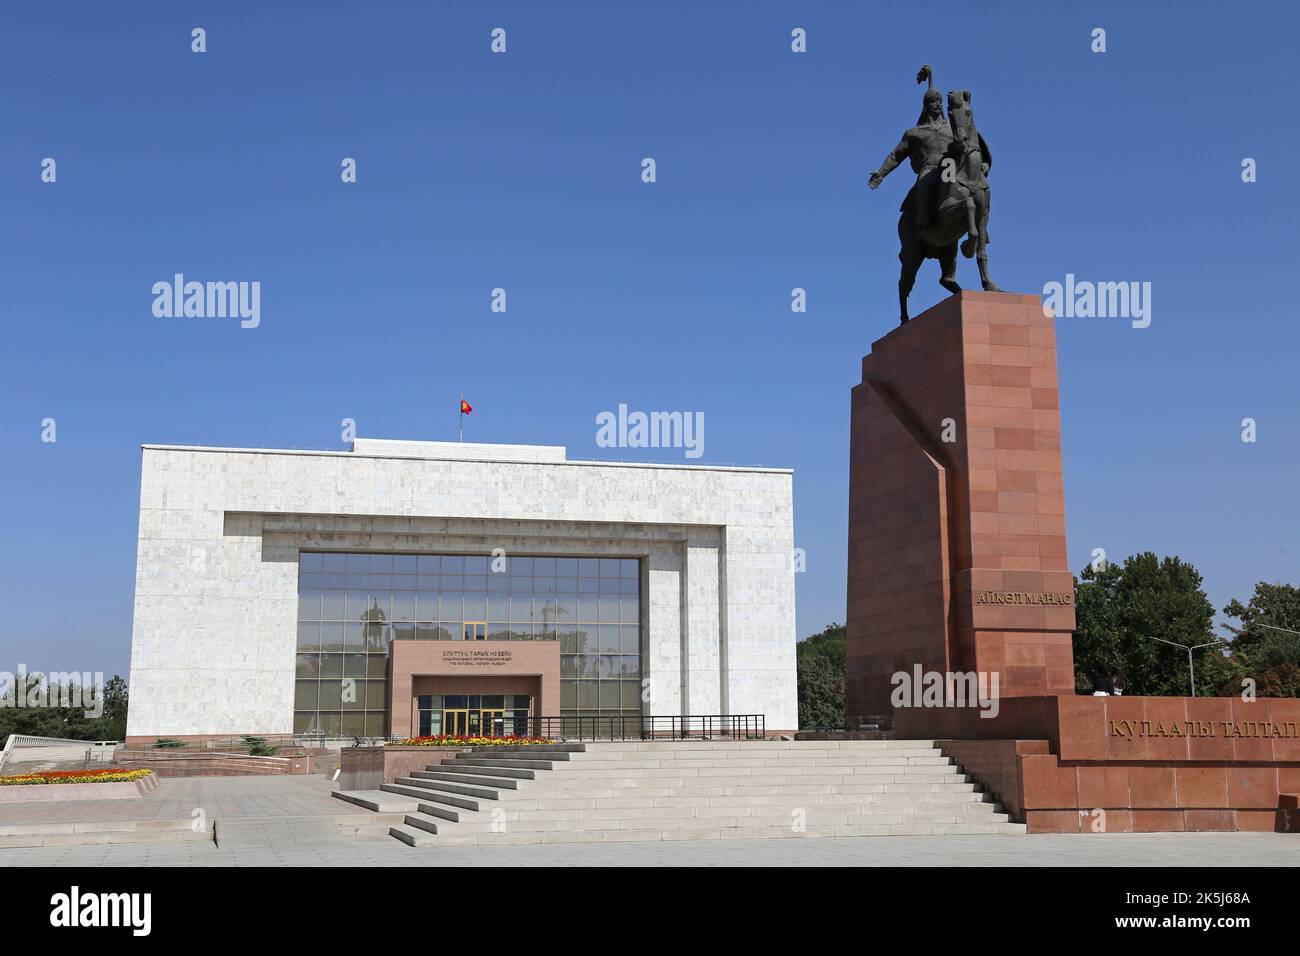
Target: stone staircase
(686,790)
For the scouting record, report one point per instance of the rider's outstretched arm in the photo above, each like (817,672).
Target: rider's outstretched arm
(896,156)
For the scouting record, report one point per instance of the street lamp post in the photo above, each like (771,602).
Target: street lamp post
(1191,672)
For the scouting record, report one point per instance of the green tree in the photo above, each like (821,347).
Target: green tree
(68,722)
(1266,643)
(820,661)
(1121,608)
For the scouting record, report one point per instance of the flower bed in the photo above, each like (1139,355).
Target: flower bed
(75,776)
(447,740)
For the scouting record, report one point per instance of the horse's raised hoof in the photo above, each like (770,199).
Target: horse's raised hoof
(949,283)
(968,247)
(991,286)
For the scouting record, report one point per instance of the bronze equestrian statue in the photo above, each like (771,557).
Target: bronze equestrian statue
(950,198)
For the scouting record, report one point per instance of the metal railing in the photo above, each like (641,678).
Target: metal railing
(224,744)
(58,749)
(632,727)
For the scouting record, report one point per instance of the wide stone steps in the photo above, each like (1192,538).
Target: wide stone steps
(711,833)
(661,790)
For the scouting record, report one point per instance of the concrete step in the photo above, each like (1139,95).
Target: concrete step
(678,818)
(494,760)
(567,782)
(413,836)
(451,800)
(489,838)
(530,754)
(436,772)
(486,793)
(416,793)
(531,801)
(751,764)
(378,801)
(532,748)
(428,822)
(488,768)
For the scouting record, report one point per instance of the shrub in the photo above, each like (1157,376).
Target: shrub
(258,747)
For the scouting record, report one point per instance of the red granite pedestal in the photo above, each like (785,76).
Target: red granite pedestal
(957,566)
(956,509)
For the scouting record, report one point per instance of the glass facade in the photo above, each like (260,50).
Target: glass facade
(495,715)
(352,606)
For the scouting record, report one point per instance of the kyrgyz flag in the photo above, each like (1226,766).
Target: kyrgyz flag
(465,407)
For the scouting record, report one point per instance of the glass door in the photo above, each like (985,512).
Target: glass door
(493,722)
(456,722)
(474,631)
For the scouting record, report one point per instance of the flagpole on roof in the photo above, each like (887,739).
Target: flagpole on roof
(461,419)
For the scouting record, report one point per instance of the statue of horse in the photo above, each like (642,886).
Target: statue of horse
(961,209)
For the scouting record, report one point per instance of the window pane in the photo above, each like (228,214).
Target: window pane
(309,606)
(609,695)
(353,724)
(608,639)
(426,606)
(377,666)
(332,609)
(475,607)
(308,637)
(568,695)
(331,636)
(331,665)
(630,642)
(331,694)
(334,562)
(305,696)
(631,695)
(404,564)
(609,568)
(308,666)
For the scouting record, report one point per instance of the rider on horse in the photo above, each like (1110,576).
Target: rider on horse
(925,145)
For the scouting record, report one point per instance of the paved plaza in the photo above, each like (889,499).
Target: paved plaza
(290,821)
(1136,849)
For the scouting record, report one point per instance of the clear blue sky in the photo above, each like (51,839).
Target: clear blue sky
(523,171)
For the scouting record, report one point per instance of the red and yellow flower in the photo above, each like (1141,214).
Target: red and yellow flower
(74,776)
